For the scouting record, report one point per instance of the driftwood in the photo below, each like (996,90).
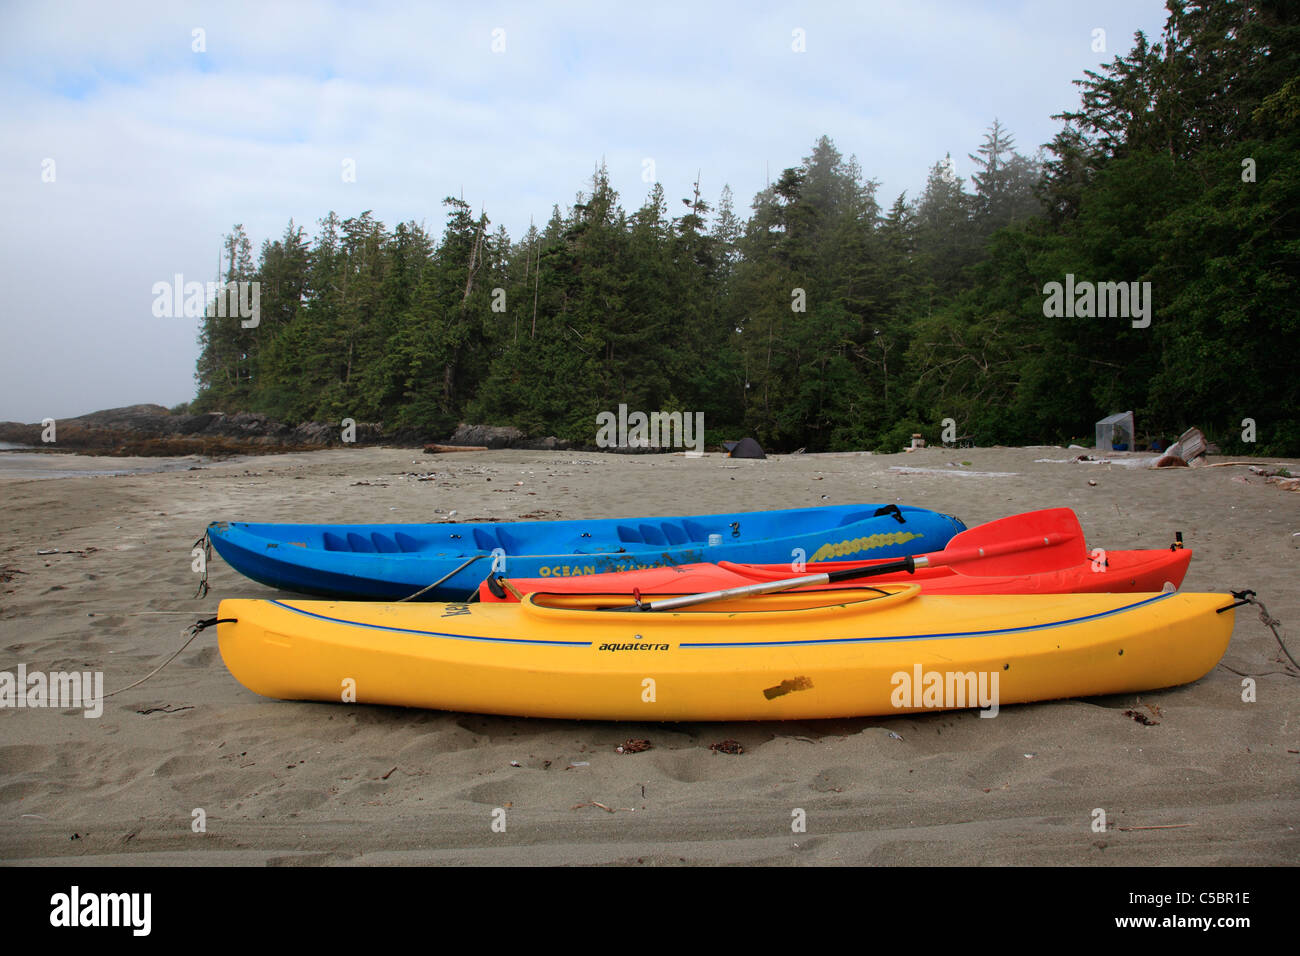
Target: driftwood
(1193,445)
(1226,464)
(440,449)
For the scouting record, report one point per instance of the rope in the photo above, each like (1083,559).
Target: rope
(1255,673)
(1272,623)
(206,544)
(449,574)
(194,630)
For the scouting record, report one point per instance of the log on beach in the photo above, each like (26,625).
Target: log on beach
(441,449)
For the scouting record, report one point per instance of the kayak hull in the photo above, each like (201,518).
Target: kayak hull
(399,561)
(851,652)
(1120,571)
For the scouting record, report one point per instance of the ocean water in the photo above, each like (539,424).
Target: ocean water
(28,465)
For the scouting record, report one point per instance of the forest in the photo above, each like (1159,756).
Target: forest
(829,317)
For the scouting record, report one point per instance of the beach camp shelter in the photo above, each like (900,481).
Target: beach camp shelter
(747,448)
(1115,432)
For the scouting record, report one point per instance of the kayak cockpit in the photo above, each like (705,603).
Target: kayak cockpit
(803,605)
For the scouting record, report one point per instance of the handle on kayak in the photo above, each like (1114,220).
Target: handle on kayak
(893,510)
(498,584)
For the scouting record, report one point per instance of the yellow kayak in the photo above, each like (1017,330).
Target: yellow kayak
(783,656)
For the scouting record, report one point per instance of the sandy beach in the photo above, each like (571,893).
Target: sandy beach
(1214,780)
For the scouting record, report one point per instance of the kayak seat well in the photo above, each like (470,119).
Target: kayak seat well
(360,543)
(376,543)
(489,539)
(652,535)
(658,534)
(674,533)
(695,531)
(667,533)
(855,518)
(384,544)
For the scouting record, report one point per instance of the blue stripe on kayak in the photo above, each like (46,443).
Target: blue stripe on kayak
(408,630)
(934,637)
(722,644)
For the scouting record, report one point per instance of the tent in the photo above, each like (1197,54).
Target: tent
(747,448)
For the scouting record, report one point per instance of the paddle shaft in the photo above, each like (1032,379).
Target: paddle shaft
(908,564)
(950,556)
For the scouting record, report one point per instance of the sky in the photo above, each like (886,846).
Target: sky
(133,136)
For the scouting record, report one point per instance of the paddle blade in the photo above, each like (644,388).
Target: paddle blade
(1029,543)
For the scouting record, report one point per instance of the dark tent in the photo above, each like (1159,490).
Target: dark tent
(747,448)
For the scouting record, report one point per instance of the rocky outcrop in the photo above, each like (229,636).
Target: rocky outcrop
(504,436)
(153,430)
(489,436)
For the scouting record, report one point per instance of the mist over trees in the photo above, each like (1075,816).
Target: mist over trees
(830,317)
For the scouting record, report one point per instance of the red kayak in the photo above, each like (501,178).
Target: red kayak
(1115,572)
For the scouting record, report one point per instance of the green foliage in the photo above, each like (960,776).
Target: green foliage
(899,436)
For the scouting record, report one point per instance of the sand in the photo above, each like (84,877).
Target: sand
(283,783)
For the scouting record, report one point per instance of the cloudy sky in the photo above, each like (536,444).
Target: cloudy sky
(161,125)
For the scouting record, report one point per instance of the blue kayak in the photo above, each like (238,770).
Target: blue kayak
(396,561)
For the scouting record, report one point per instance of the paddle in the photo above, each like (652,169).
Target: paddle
(998,548)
